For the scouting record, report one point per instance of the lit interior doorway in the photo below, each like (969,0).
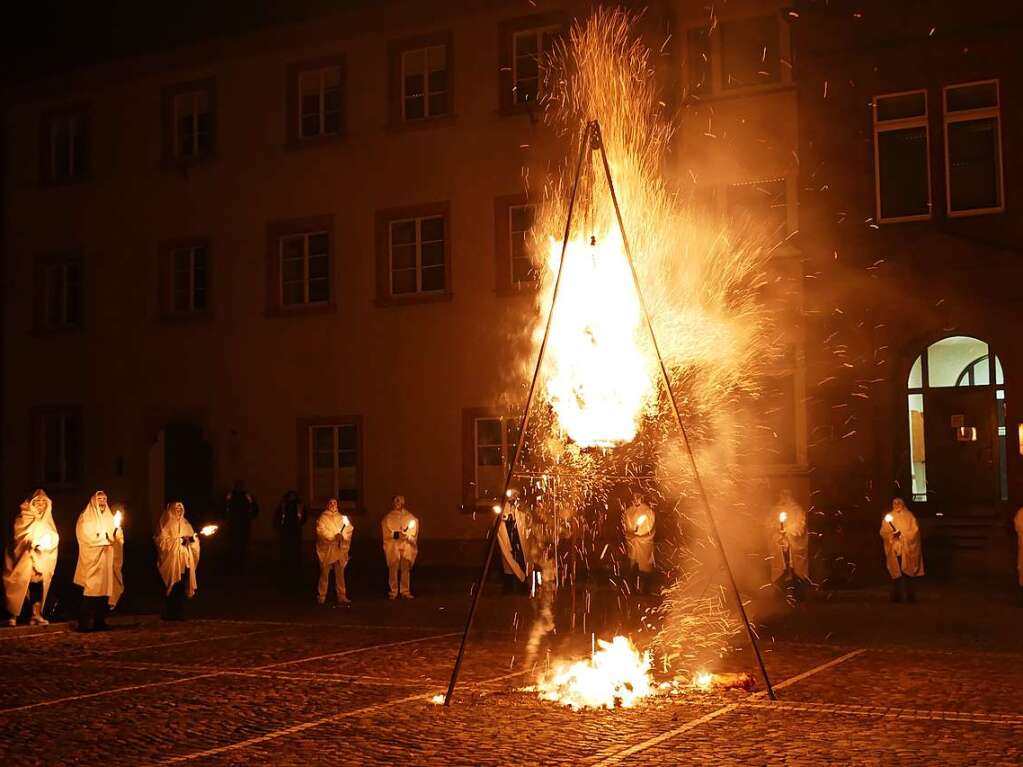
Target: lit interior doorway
(957,446)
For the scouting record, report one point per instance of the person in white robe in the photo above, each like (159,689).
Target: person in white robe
(400,531)
(788,544)
(177,551)
(903,552)
(639,523)
(30,558)
(333,542)
(513,541)
(100,556)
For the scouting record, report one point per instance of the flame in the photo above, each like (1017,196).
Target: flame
(118,517)
(600,380)
(208,530)
(45,542)
(616,675)
(703,680)
(782,516)
(888,518)
(641,520)
(345,521)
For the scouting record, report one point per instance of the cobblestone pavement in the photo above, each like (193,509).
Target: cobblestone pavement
(355,687)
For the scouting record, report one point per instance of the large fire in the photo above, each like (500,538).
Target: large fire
(600,380)
(616,675)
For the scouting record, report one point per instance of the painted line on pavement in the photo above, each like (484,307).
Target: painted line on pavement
(611,756)
(297,728)
(355,650)
(182,642)
(207,675)
(885,712)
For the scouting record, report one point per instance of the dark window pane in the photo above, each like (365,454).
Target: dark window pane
(318,244)
(750,52)
(438,104)
(433,254)
(332,123)
(902,163)
(414,108)
(291,270)
(432,229)
(72,294)
(901,107)
(403,282)
(332,100)
(319,291)
(403,232)
(522,270)
(433,278)
(348,437)
(403,257)
(698,60)
(525,45)
(972,97)
(310,125)
(488,431)
(489,456)
(292,294)
(323,438)
(438,81)
(317,266)
(414,84)
(522,217)
(973,165)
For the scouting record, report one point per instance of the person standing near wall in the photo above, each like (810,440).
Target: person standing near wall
(289,519)
(400,531)
(903,552)
(100,555)
(512,535)
(177,551)
(638,523)
(31,558)
(789,545)
(333,542)
(1019,552)
(240,509)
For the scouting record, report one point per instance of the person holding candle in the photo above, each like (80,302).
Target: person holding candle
(30,558)
(400,532)
(177,552)
(639,520)
(903,552)
(100,555)
(333,541)
(789,545)
(512,533)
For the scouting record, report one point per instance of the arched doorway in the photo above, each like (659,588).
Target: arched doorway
(957,439)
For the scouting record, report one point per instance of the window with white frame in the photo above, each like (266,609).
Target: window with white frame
(424,82)
(319,107)
(520,223)
(59,447)
(60,293)
(416,250)
(973,149)
(495,440)
(334,459)
(66,151)
(304,268)
(188,279)
(193,124)
(902,178)
(528,49)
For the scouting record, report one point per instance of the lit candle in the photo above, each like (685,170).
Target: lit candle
(118,516)
(889,519)
(45,542)
(208,530)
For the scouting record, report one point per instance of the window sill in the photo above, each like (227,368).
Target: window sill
(424,123)
(975,212)
(315,142)
(413,298)
(300,310)
(905,219)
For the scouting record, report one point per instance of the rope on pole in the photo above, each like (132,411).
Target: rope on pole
(702,492)
(588,133)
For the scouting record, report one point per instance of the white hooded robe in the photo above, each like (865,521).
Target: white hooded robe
(173,557)
(406,547)
(100,553)
(906,545)
(509,564)
(330,548)
(638,521)
(23,562)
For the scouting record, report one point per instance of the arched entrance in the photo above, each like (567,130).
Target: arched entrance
(956,403)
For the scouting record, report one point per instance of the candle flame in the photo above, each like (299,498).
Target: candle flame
(344,520)
(782,517)
(497,508)
(703,680)
(412,525)
(208,530)
(641,520)
(118,516)
(438,699)
(888,518)
(45,541)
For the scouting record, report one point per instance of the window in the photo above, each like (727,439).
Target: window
(58,299)
(750,52)
(413,253)
(529,48)
(57,446)
(902,176)
(520,223)
(524,44)
(189,122)
(956,362)
(973,149)
(494,447)
(305,276)
(316,101)
(188,279)
(64,145)
(300,264)
(424,82)
(332,461)
(698,78)
(762,204)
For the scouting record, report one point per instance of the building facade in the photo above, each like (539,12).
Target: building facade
(908,180)
(296,257)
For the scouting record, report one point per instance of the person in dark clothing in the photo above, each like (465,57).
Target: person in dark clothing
(288,520)
(240,509)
